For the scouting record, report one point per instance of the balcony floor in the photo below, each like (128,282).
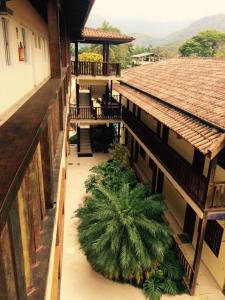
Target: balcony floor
(79,281)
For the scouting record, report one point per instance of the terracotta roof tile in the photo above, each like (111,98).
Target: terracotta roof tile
(202,136)
(102,35)
(195,86)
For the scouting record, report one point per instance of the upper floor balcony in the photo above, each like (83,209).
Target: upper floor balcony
(104,39)
(92,68)
(111,113)
(206,196)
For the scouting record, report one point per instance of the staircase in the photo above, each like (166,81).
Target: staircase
(84,149)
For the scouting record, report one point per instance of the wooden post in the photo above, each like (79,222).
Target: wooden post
(61,109)
(154,177)
(165,137)
(210,180)
(17,253)
(198,161)
(198,251)
(136,151)
(47,166)
(64,43)
(132,148)
(77,94)
(54,38)
(76,59)
(78,139)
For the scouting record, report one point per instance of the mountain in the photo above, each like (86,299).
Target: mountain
(147,27)
(161,33)
(216,22)
(144,40)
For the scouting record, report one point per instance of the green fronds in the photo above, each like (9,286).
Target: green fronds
(122,233)
(152,289)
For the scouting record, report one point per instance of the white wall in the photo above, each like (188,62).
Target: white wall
(19,79)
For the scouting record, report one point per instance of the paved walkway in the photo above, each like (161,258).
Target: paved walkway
(79,281)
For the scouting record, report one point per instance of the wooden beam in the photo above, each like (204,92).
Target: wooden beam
(54,38)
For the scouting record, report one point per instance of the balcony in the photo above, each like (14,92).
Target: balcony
(193,183)
(112,112)
(90,68)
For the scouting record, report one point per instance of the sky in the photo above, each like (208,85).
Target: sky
(158,10)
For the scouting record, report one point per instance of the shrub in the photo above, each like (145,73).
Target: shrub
(121,232)
(73,139)
(111,175)
(166,279)
(90,56)
(119,153)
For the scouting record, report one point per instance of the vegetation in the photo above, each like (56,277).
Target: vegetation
(206,44)
(73,139)
(122,233)
(120,153)
(90,56)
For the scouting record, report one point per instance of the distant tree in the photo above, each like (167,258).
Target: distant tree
(206,44)
(107,27)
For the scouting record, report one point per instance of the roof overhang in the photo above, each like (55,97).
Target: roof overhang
(75,13)
(99,36)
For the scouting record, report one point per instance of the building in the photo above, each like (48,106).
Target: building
(144,58)
(35,76)
(173,114)
(173,126)
(175,143)
(94,107)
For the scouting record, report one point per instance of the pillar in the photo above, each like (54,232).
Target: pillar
(54,38)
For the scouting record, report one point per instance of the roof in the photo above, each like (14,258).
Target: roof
(142,54)
(204,137)
(74,12)
(194,86)
(98,35)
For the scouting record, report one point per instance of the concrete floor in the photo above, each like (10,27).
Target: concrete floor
(79,281)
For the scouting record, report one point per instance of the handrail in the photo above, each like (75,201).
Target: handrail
(183,261)
(93,68)
(192,182)
(95,113)
(18,146)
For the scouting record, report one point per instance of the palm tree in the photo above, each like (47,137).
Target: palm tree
(122,233)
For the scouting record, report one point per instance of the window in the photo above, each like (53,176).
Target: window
(6,40)
(213,236)
(142,152)
(24,40)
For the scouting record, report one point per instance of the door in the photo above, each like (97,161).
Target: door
(189,222)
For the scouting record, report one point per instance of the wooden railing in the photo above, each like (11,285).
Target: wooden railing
(192,182)
(187,268)
(28,173)
(95,113)
(216,196)
(95,68)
